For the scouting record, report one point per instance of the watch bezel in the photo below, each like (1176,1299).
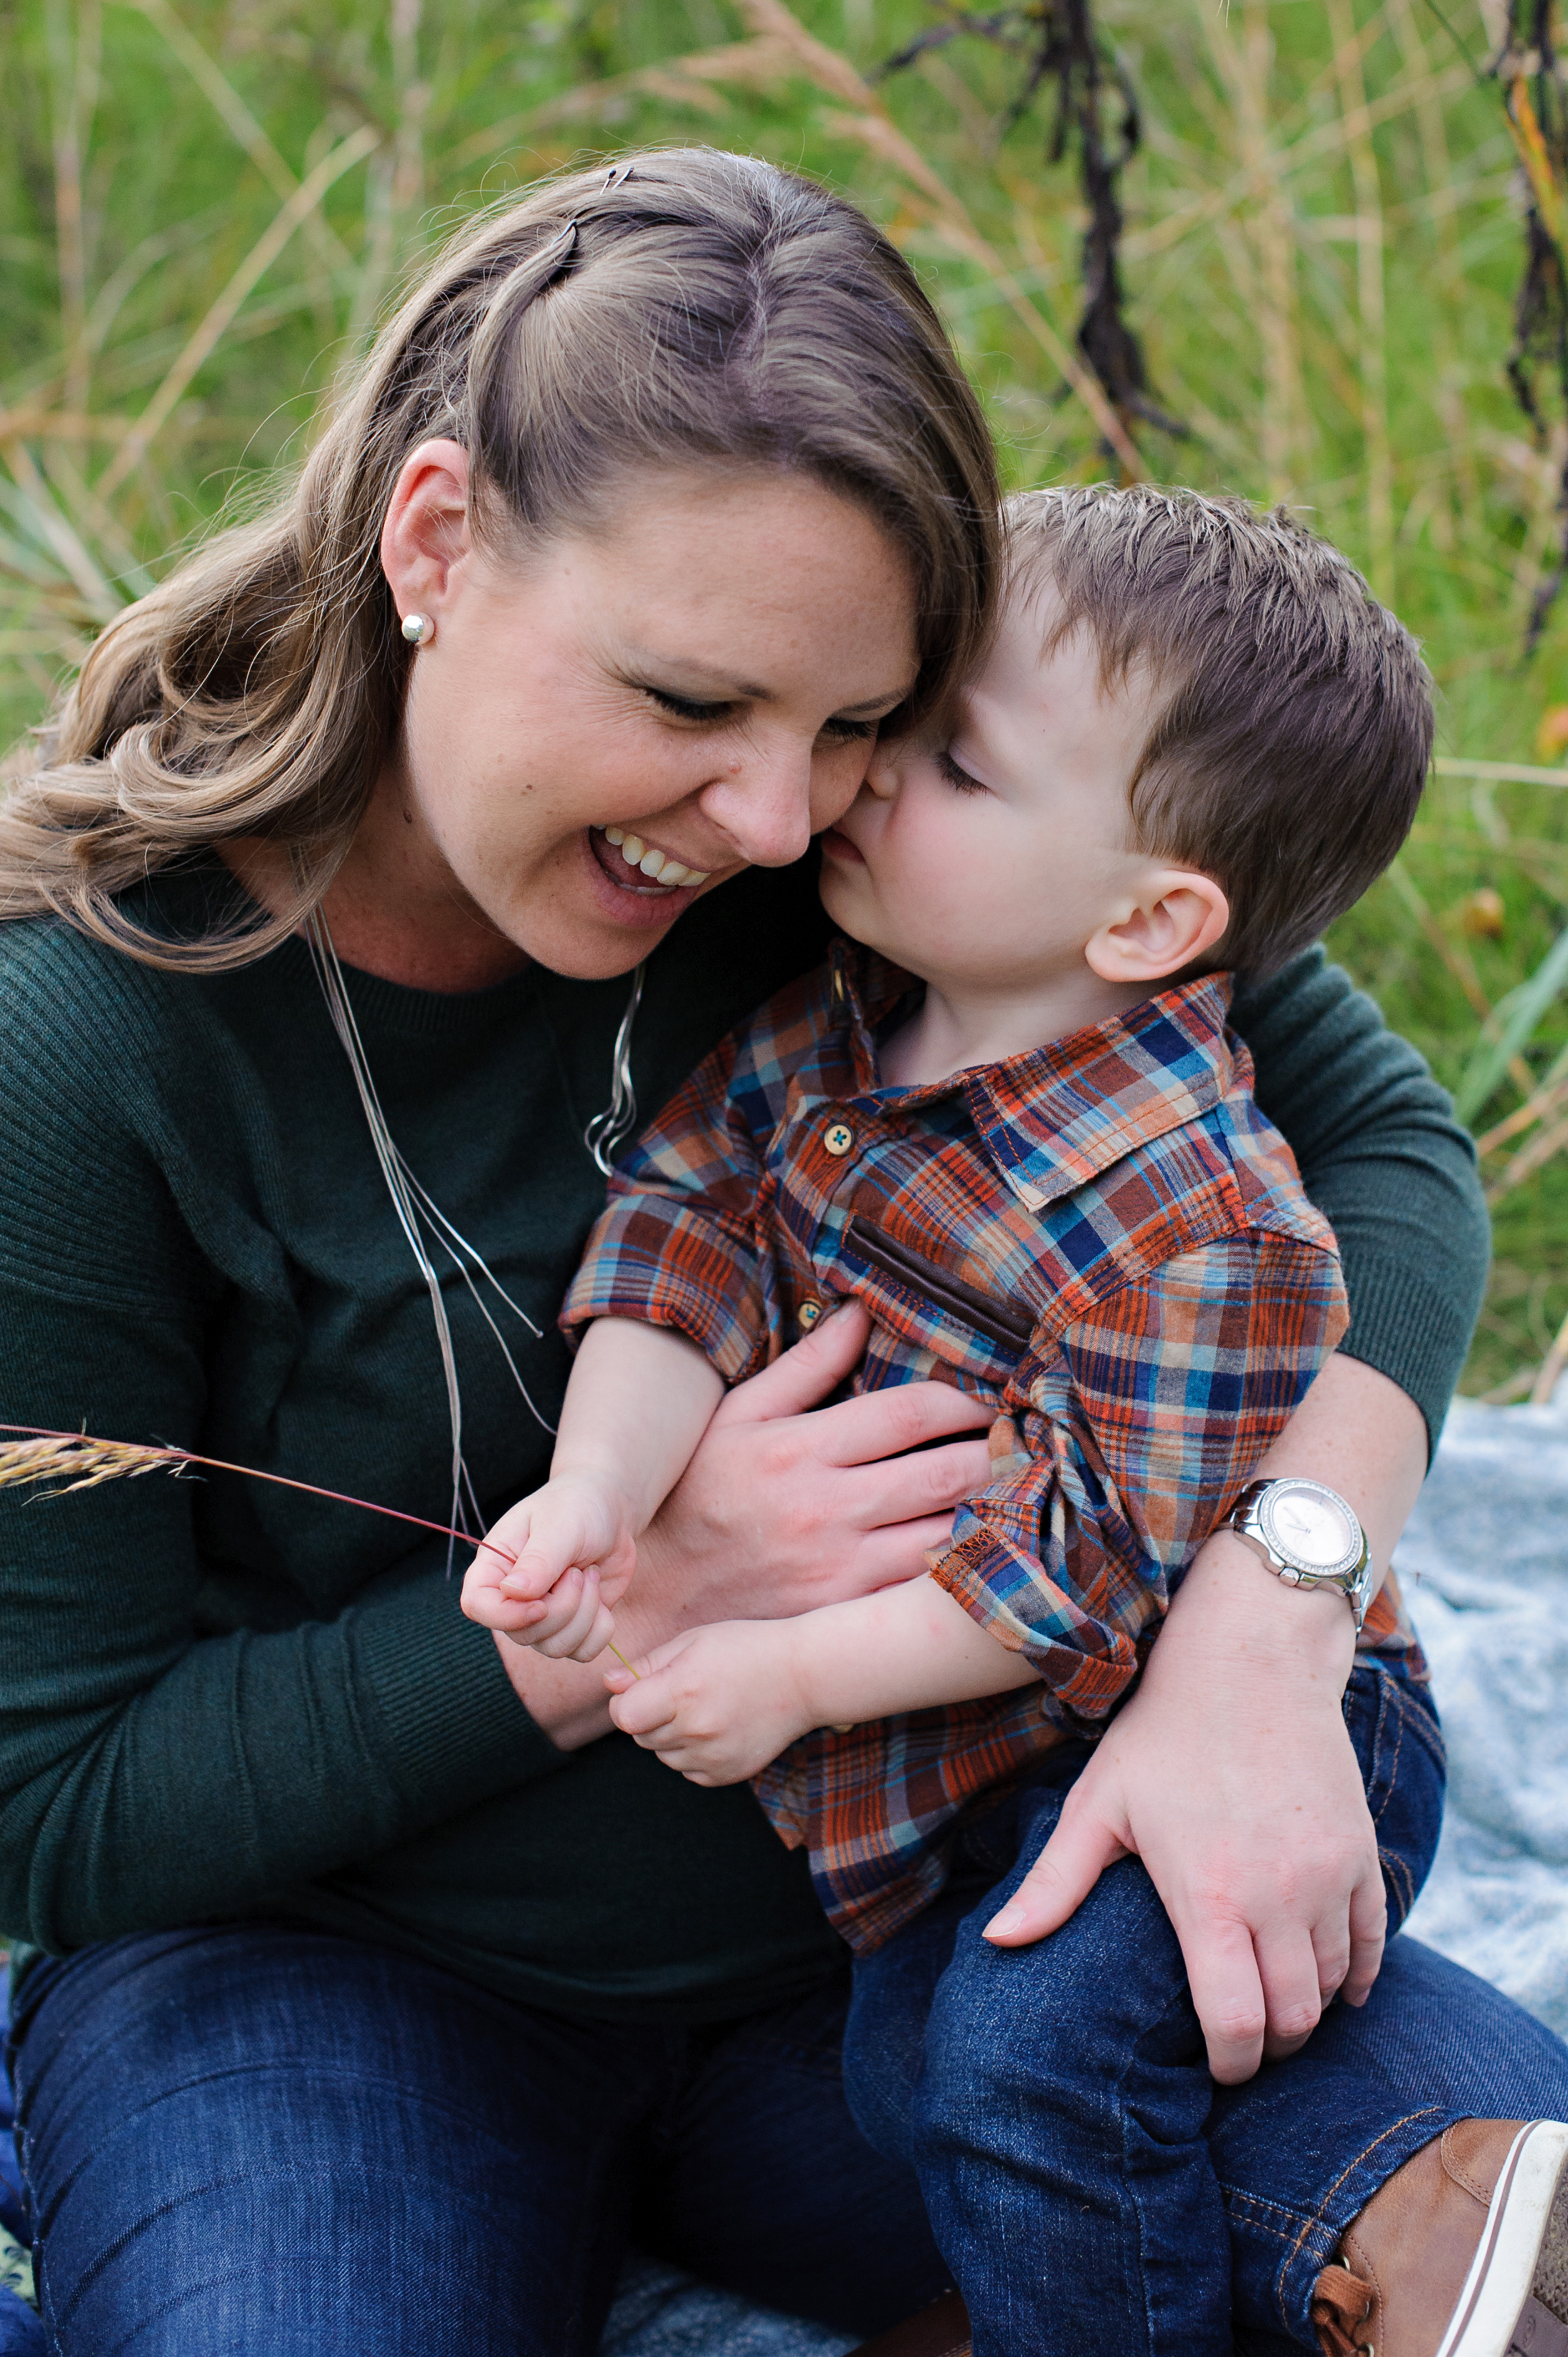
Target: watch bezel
(1343,1567)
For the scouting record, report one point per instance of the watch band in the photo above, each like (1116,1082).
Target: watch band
(1290,1524)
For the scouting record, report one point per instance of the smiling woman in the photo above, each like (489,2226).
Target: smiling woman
(595,737)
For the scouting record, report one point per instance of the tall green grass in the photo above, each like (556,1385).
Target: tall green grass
(1323,239)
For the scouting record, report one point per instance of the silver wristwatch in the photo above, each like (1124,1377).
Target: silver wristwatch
(1307,1534)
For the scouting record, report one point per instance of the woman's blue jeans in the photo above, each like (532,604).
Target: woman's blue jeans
(265,2141)
(1094,2192)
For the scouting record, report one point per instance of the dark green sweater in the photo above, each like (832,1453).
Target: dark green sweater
(221,1699)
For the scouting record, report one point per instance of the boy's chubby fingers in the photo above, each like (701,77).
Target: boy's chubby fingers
(492,1609)
(535,1572)
(1058,1882)
(644,1708)
(576,1611)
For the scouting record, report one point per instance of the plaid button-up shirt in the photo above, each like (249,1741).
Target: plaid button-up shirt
(1104,1240)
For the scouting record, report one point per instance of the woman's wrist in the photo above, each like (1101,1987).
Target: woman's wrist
(1232,1612)
(1363,1436)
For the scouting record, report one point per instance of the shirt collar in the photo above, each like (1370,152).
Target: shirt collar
(1057,1116)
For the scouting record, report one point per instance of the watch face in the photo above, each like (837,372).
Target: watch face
(1310,1527)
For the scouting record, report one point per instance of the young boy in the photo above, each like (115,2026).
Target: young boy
(1008,1117)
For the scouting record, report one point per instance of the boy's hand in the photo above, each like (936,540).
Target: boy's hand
(718,1704)
(548,1572)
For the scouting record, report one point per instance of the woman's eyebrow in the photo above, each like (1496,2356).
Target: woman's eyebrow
(698,680)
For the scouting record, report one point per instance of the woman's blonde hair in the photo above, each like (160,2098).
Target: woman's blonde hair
(683,308)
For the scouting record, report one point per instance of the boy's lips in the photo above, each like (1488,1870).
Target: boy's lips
(836,844)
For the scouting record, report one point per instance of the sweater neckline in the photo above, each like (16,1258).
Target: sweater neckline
(397,1008)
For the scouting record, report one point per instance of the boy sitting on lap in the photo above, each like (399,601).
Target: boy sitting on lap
(1008,1117)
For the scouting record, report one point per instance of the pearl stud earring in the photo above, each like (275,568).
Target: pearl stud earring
(418,630)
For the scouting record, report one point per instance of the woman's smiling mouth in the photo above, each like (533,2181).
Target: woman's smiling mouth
(639,860)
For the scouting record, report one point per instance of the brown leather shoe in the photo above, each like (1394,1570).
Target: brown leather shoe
(941,2330)
(1463,2253)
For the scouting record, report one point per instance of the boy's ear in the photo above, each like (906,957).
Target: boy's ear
(1180,914)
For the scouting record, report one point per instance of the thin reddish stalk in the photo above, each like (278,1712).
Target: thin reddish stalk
(284,1481)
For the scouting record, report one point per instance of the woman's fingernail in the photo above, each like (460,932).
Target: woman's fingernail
(1010,1920)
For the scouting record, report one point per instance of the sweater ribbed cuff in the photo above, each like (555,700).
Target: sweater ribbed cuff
(1410,1331)
(452,1731)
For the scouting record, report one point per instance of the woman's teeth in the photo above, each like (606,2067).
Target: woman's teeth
(656,865)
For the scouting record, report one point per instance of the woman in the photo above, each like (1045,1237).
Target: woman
(385,1992)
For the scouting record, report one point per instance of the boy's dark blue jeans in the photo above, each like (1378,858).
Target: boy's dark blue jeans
(1091,2186)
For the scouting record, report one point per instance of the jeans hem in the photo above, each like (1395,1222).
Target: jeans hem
(1311,2237)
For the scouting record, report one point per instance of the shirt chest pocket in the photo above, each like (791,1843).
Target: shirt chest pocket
(926,1303)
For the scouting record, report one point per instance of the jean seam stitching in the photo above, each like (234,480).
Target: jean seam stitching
(1427,2110)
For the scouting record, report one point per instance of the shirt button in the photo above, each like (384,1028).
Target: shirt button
(809,1313)
(838,1138)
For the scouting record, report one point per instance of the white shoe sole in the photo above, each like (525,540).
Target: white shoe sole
(1516,2294)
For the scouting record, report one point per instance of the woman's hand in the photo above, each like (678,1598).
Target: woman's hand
(1230,1772)
(785,1506)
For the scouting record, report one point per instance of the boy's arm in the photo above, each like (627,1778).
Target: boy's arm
(638,1403)
(678,1243)
(547,1573)
(1130,1436)
(1125,1443)
(719,1704)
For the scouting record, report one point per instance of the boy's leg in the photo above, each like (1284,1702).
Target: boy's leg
(1058,2116)
(1298,2157)
(1302,2149)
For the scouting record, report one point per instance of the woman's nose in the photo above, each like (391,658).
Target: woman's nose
(763,803)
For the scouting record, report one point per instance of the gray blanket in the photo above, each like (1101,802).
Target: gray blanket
(1485,1564)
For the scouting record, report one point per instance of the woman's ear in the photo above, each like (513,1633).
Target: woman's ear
(1181,914)
(425,534)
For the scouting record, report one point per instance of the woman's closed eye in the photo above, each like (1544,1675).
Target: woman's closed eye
(840,730)
(687,707)
(960,780)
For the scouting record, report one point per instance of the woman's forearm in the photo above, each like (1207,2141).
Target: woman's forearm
(1361,1434)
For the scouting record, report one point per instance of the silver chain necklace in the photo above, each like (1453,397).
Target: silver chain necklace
(428,1230)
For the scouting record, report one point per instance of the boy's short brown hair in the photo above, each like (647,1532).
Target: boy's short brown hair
(1295,714)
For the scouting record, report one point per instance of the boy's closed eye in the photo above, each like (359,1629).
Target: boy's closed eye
(958,778)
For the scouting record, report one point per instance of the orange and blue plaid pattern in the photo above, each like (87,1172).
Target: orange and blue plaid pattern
(1104,1240)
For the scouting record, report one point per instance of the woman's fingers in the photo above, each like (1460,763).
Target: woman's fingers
(806,1374)
(886,1423)
(1369,1932)
(1058,1882)
(1294,1997)
(1228,1993)
(908,1489)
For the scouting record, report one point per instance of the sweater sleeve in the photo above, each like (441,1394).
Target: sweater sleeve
(157,1766)
(1383,1159)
